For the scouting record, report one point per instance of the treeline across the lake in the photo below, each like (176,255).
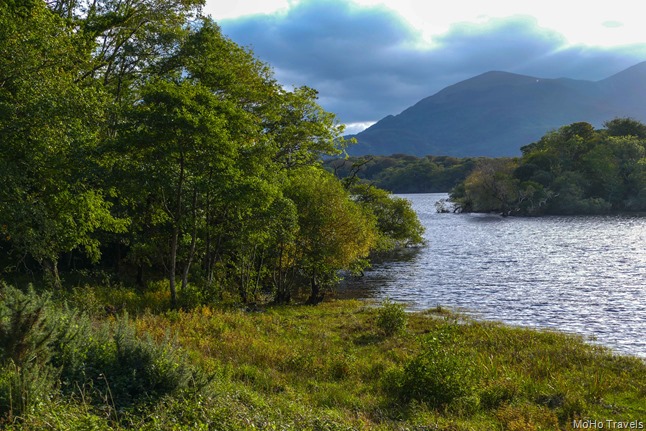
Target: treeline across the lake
(139,142)
(402,173)
(573,170)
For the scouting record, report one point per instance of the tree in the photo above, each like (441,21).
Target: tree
(178,145)
(397,222)
(335,233)
(625,127)
(133,125)
(302,131)
(129,40)
(51,199)
(611,167)
(491,187)
(574,170)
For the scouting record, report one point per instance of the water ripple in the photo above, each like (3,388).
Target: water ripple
(577,274)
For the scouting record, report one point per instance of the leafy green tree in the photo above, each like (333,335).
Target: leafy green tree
(574,170)
(129,39)
(137,125)
(207,149)
(178,145)
(637,201)
(491,187)
(302,131)
(397,222)
(51,200)
(612,167)
(625,127)
(335,233)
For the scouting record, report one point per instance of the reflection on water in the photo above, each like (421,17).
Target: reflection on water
(578,274)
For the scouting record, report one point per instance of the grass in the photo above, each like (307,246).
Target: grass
(331,367)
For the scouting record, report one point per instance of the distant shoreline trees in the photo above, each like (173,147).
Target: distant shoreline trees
(402,173)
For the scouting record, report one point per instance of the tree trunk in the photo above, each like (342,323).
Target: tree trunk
(316,296)
(52,277)
(140,276)
(191,253)
(173,267)
(283,295)
(176,230)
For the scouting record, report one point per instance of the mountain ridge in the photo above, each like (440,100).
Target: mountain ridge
(496,113)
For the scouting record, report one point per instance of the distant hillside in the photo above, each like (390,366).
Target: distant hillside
(496,113)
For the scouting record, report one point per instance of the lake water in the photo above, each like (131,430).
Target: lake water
(580,274)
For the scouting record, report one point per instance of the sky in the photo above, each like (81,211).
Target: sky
(373,58)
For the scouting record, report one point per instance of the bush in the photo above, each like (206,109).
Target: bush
(25,331)
(22,389)
(118,365)
(437,376)
(391,317)
(44,346)
(498,393)
(26,335)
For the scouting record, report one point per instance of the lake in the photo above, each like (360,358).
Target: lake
(579,274)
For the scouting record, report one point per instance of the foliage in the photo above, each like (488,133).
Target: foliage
(47,351)
(50,123)
(438,375)
(490,187)
(330,367)
(401,173)
(391,317)
(335,233)
(397,222)
(574,170)
(26,336)
(138,139)
(129,369)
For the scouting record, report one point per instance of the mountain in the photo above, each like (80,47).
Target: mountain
(496,113)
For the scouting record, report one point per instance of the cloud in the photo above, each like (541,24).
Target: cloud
(354,128)
(368,62)
(612,24)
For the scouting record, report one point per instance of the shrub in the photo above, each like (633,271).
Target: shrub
(22,389)
(44,346)
(498,393)
(437,376)
(24,329)
(130,369)
(391,317)
(26,334)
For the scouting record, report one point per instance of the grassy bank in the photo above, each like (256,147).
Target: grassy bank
(342,365)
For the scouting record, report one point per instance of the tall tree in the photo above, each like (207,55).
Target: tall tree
(129,39)
(50,201)
(335,233)
(490,187)
(177,146)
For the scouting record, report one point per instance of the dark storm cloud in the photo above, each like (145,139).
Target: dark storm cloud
(367,63)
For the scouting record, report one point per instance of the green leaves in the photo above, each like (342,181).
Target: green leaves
(51,128)
(574,170)
(137,127)
(335,233)
(397,222)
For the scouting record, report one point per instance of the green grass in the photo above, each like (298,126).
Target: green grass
(331,367)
